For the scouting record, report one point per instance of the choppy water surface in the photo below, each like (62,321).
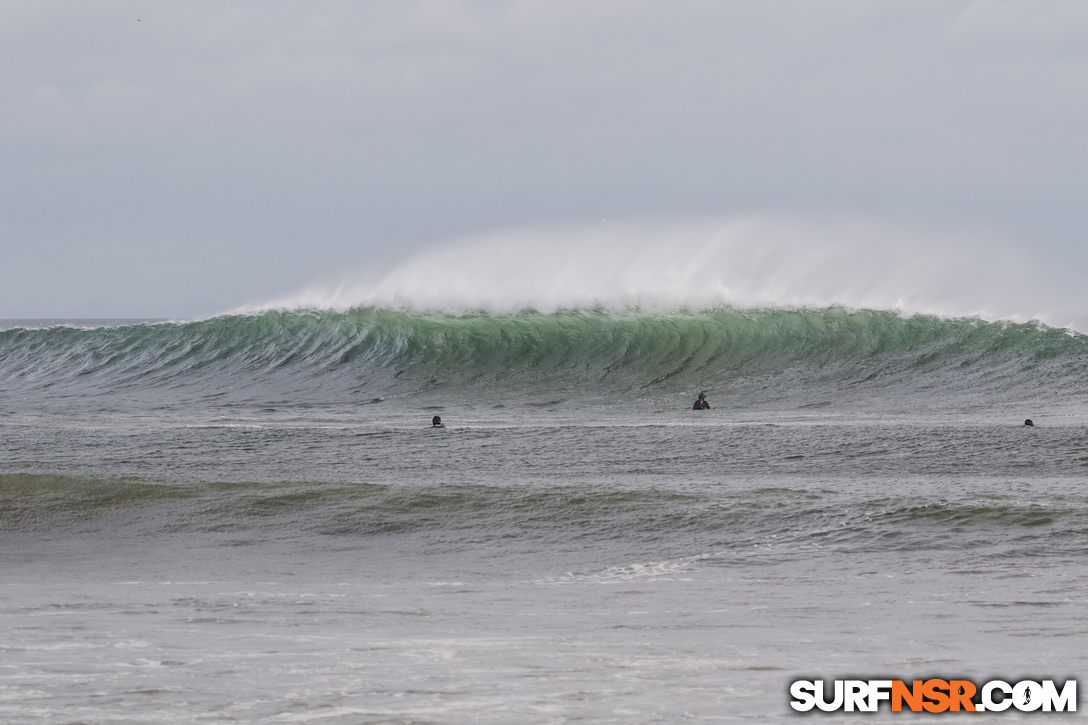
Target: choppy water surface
(248,519)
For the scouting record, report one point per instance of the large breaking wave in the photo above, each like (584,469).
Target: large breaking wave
(313,357)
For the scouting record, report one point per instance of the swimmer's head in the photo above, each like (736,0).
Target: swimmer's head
(437,420)
(1028,422)
(702,395)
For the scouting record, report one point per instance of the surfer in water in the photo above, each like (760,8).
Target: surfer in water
(701,403)
(1028,422)
(436,422)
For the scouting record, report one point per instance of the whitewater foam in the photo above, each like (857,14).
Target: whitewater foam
(768,261)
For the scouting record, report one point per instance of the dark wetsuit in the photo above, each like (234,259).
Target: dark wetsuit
(701,404)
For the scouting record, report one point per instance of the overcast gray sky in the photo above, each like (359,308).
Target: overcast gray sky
(182,158)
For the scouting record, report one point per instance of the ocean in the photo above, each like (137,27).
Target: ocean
(249,518)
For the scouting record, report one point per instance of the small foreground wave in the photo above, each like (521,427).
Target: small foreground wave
(734,522)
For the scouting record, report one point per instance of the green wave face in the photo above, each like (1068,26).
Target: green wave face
(325,356)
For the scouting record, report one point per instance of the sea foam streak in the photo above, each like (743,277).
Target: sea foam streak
(751,262)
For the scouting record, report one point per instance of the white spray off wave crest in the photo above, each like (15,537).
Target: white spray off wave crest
(752,262)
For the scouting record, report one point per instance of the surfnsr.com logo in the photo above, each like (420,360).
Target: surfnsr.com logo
(934,695)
